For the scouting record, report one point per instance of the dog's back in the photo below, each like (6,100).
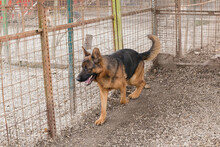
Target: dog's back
(130,60)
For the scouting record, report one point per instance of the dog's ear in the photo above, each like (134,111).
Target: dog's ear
(96,55)
(85,52)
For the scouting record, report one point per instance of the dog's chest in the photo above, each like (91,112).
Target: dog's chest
(109,82)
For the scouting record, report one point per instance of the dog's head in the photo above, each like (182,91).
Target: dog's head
(91,66)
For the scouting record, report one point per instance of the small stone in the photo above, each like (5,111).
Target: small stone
(196,53)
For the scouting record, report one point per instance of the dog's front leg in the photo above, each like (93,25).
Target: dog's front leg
(104,96)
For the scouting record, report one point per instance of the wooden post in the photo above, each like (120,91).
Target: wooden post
(46,69)
(117,24)
(72,93)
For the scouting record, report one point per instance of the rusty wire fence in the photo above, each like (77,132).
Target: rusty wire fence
(40,53)
(188,25)
(28,113)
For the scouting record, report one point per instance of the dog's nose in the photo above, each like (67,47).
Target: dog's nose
(78,78)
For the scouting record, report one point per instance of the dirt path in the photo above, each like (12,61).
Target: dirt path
(181,109)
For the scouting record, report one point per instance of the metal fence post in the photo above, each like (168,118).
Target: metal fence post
(5,30)
(179,51)
(154,17)
(47,70)
(194,25)
(72,93)
(117,24)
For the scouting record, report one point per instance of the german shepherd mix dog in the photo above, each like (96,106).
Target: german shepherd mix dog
(115,71)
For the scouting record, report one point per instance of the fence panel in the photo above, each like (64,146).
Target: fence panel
(23,110)
(22,104)
(199,26)
(86,97)
(136,24)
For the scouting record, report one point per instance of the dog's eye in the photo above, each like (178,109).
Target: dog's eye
(88,69)
(85,67)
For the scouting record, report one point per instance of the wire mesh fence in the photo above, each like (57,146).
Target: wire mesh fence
(198,27)
(65,27)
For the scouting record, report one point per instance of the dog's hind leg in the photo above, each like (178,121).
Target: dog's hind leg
(123,95)
(137,80)
(104,96)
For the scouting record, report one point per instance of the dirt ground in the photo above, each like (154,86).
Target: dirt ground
(181,109)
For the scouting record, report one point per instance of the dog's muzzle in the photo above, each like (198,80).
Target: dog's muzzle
(88,79)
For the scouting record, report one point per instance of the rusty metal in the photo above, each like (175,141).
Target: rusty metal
(38,64)
(179,51)
(197,13)
(20,35)
(3,97)
(47,71)
(77,24)
(136,12)
(52,29)
(193,11)
(66,26)
(22,80)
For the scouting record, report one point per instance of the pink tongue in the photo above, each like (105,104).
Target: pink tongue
(89,80)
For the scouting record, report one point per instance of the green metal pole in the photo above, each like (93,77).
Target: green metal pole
(5,18)
(117,24)
(5,29)
(71,59)
(115,29)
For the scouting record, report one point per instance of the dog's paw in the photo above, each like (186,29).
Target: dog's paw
(124,101)
(133,96)
(99,121)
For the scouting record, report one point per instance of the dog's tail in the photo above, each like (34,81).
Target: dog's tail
(154,50)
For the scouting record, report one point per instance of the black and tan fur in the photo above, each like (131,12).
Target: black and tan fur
(115,71)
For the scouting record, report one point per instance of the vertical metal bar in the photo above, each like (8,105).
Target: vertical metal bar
(154,17)
(114,22)
(82,9)
(194,26)
(201,8)
(3,97)
(5,30)
(117,24)
(179,51)
(186,32)
(47,70)
(72,93)
(216,23)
